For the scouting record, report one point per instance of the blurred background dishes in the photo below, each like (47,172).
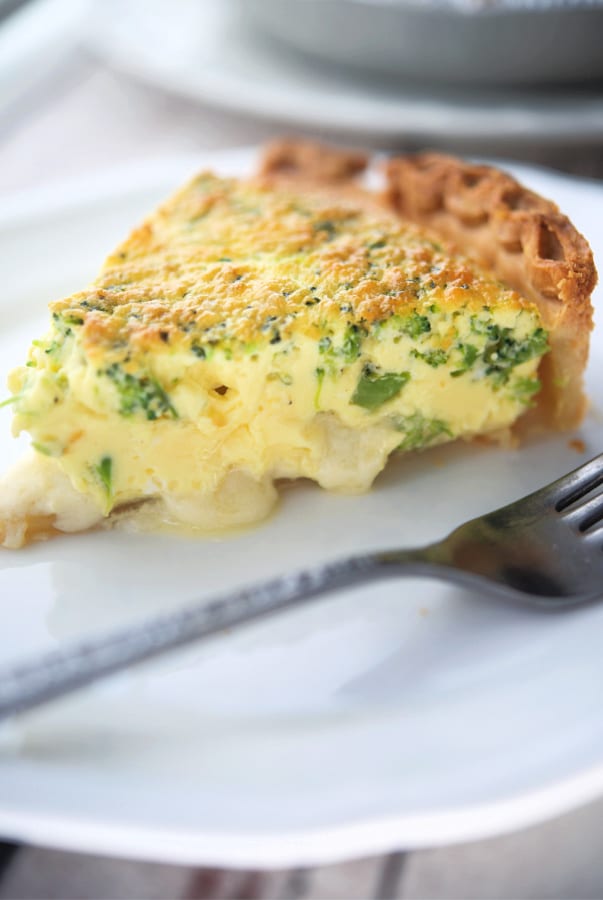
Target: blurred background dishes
(35,38)
(214,51)
(488,42)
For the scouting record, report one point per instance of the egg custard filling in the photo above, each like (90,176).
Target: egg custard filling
(247,333)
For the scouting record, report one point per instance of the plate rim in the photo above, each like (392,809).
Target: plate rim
(311,845)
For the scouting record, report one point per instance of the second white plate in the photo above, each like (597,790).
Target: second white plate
(209,54)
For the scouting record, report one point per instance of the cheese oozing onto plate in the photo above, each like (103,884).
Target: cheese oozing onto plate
(249,332)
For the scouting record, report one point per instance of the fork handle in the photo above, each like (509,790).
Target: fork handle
(31,684)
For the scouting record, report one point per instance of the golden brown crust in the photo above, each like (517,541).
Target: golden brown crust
(306,160)
(17,533)
(526,242)
(317,169)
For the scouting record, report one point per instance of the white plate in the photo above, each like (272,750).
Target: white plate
(407,714)
(209,54)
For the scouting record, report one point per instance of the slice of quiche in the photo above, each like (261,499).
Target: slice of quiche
(296,325)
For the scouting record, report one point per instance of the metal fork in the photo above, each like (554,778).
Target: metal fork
(545,550)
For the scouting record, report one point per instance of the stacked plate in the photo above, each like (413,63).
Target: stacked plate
(245,56)
(485,42)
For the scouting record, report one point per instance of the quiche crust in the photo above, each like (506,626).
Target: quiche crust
(170,299)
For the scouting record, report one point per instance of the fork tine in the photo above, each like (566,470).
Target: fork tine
(585,515)
(578,483)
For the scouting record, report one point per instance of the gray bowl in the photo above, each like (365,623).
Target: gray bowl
(481,43)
